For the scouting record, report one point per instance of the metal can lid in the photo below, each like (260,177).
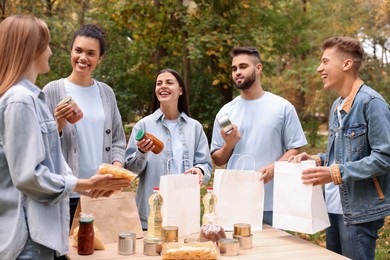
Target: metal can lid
(65,100)
(127,235)
(140,135)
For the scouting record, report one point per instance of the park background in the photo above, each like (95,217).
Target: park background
(195,37)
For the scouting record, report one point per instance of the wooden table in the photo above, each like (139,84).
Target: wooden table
(268,243)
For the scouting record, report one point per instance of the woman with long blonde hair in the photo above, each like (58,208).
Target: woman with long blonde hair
(35,182)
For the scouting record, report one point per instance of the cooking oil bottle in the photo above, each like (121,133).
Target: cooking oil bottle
(155,216)
(209,205)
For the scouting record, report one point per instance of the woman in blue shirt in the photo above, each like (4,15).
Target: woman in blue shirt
(35,182)
(183,137)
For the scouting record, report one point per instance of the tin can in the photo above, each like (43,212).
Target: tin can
(152,246)
(242,229)
(225,123)
(244,241)
(228,246)
(126,243)
(170,234)
(77,113)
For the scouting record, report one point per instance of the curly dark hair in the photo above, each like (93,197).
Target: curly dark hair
(92,31)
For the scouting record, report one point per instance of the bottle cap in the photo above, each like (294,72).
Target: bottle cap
(209,188)
(140,135)
(156,189)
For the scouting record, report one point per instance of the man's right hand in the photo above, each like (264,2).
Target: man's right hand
(300,157)
(232,138)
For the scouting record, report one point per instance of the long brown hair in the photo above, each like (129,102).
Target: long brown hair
(183,103)
(22,39)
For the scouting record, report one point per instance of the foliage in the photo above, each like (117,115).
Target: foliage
(194,37)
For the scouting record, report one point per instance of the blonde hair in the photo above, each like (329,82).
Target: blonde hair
(22,39)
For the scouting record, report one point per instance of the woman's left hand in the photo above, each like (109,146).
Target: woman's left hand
(195,171)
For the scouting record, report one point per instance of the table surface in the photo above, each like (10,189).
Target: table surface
(268,243)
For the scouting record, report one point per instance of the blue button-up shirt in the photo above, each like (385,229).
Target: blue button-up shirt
(151,166)
(34,181)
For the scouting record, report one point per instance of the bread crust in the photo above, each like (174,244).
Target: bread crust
(116,171)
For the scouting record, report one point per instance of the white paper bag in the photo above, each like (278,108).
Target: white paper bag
(297,207)
(240,198)
(181,205)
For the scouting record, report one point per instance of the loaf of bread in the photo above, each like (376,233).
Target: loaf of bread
(193,250)
(211,232)
(116,171)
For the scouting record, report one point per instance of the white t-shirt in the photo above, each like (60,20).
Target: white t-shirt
(176,165)
(268,125)
(332,193)
(90,129)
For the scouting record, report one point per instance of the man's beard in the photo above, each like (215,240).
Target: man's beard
(247,83)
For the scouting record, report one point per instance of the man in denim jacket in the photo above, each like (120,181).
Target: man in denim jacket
(356,166)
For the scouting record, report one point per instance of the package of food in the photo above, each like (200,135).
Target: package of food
(194,250)
(211,232)
(116,171)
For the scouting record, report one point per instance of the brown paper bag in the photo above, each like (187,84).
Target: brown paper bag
(112,215)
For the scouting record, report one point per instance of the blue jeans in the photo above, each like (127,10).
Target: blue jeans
(267,217)
(35,251)
(355,241)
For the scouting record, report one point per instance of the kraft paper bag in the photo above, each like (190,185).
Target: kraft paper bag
(113,215)
(181,202)
(297,207)
(240,198)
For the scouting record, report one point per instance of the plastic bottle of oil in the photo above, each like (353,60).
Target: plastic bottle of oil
(155,216)
(209,205)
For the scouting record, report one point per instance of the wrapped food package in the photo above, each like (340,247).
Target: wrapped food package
(195,250)
(116,171)
(211,232)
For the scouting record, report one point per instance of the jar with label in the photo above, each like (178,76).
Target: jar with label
(158,145)
(77,113)
(86,235)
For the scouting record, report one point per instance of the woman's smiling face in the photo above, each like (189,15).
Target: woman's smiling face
(167,88)
(85,54)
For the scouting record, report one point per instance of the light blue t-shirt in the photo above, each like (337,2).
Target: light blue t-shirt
(332,193)
(90,129)
(269,126)
(176,165)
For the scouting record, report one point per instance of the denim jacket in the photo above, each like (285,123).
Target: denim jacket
(151,166)
(362,154)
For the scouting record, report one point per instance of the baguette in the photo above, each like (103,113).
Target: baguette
(116,171)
